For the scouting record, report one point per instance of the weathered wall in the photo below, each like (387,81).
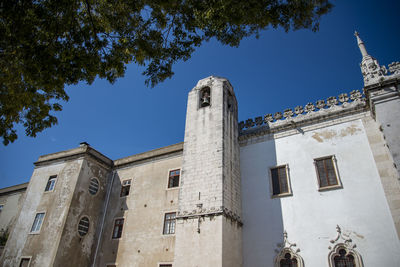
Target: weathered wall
(210,179)
(386,103)
(12,203)
(74,249)
(310,216)
(387,172)
(42,246)
(143,243)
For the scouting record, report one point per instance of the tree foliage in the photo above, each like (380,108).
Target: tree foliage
(47,44)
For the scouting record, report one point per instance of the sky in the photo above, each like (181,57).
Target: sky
(277,71)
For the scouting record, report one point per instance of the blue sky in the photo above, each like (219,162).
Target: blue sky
(278,71)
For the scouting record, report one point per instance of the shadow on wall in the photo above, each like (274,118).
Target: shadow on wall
(114,222)
(262,214)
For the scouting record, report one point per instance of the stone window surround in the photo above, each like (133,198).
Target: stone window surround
(163,224)
(180,178)
(25,258)
(335,252)
(113,227)
(330,187)
(53,178)
(290,192)
(41,224)
(122,186)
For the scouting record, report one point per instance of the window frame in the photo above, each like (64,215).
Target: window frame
(53,178)
(179,182)
(98,186)
(25,258)
(122,187)
(335,168)
(349,251)
(290,192)
(113,228)
(41,224)
(165,221)
(77,226)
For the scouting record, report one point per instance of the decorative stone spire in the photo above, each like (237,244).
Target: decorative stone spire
(361,45)
(370,68)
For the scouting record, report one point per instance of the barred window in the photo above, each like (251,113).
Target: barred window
(173,180)
(169,223)
(280,181)
(51,183)
(93,186)
(126,187)
(117,231)
(326,172)
(83,226)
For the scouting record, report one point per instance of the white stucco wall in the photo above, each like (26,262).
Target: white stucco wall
(310,216)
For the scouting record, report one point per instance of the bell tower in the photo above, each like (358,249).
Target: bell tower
(209,227)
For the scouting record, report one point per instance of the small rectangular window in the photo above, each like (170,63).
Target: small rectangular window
(280,181)
(37,223)
(51,183)
(125,188)
(24,262)
(173,180)
(117,231)
(326,172)
(1,208)
(169,223)
(165,265)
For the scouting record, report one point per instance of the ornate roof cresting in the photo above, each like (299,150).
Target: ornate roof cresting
(321,109)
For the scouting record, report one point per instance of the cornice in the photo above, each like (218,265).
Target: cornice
(310,114)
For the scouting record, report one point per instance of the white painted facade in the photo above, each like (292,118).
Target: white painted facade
(310,216)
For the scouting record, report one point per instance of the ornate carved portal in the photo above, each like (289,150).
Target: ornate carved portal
(343,253)
(287,254)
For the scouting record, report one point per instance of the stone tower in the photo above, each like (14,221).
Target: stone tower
(208,229)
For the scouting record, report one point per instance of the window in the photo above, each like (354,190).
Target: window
(117,231)
(343,256)
(126,186)
(1,208)
(280,181)
(343,260)
(51,183)
(173,180)
(205,97)
(165,265)
(326,172)
(169,223)
(93,186)
(83,226)
(288,261)
(24,262)
(37,223)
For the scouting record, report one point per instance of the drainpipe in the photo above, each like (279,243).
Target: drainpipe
(104,218)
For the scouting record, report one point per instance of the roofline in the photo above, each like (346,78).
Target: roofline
(74,153)
(171,149)
(13,188)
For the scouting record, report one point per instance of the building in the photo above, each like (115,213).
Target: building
(314,186)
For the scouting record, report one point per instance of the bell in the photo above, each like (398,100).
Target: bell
(205,101)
